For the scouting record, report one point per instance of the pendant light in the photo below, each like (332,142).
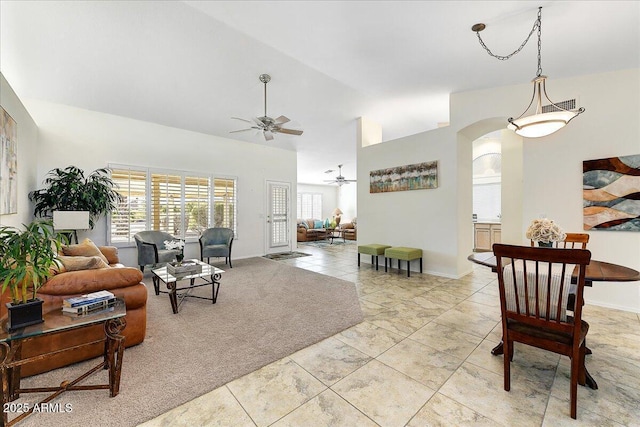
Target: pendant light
(542,120)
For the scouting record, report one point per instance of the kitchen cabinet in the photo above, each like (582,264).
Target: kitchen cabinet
(485,234)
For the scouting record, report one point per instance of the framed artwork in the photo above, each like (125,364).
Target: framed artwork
(611,193)
(418,176)
(8,164)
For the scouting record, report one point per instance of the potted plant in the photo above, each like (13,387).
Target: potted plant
(69,190)
(25,265)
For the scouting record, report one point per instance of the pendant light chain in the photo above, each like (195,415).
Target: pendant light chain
(536,25)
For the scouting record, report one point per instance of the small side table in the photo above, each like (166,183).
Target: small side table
(55,322)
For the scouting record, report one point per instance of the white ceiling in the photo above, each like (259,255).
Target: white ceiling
(195,64)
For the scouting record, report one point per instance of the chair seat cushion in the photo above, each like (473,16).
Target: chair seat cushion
(372,249)
(405,254)
(166,255)
(215,250)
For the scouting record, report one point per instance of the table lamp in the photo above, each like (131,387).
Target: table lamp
(69,222)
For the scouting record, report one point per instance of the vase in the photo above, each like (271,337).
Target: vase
(24,314)
(545,244)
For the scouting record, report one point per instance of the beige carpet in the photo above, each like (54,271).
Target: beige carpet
(266,310)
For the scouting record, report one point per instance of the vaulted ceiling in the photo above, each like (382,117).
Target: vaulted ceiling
(195,64)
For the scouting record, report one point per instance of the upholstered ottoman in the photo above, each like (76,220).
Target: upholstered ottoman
(373,249)
(404,254)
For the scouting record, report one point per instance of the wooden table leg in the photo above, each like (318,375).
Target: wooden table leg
(115,349)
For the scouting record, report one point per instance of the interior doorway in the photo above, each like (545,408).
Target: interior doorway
(487,189)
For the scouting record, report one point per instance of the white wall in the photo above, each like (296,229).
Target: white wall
(347,201)
(423,219)
(91,140)
(27,155)
(438,220)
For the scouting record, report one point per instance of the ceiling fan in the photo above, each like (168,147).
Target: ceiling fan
(340,180)
(266,124)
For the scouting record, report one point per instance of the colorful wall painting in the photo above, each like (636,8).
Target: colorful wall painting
(418,176)
(8,164)
(611,193)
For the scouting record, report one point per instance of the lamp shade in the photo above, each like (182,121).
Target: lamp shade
(71,220)
(336,212)
(539,123)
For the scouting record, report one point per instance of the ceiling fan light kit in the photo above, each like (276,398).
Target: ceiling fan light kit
(535,122)
(266,124)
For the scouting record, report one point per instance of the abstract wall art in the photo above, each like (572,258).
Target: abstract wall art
(611,193)
(8,164)
(418,176)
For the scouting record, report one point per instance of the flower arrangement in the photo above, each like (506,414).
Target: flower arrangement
(545,230)
(174,244)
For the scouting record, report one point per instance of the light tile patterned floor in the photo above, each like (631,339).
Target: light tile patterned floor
(422,358)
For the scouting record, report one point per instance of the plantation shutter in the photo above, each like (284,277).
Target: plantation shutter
(224,201)
(131,215)
(197,205)
(166,203)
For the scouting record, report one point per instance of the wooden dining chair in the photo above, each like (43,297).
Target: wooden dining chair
(572,241)
(534,288)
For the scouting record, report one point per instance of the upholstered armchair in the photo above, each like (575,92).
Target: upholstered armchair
(151,248)
(216,242)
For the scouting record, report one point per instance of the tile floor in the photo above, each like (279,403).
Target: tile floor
(422,358)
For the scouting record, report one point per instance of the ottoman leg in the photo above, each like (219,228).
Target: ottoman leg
(358,259)
(420,264)
(377,256)
(385,264)
(408,268)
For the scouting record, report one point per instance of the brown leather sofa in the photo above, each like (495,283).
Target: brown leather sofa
(308,233)
(124,282)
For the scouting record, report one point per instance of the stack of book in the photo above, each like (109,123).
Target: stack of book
(89,303)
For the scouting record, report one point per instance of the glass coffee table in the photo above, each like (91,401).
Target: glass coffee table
(208,276)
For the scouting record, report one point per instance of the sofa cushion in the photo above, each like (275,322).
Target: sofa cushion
(74,263)
(86,248)
(86,281)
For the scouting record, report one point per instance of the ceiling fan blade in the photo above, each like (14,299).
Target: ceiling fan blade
(244,120)
(282,120)
(289,131)
(240,130)
(268,135)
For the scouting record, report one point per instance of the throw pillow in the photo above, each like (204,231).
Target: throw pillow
(86,248)
(75,263)
(317,224)
(304,225)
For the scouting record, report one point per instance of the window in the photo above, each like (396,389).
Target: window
(180,203)
(131,215)
(309,205)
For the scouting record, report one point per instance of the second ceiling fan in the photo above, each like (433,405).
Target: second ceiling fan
(266,124)
(340,180)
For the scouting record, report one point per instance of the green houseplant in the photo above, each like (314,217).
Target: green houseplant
(69,190)
(25,265)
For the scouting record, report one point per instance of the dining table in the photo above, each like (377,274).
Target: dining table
(596,271)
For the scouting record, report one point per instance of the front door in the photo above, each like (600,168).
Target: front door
(278,227)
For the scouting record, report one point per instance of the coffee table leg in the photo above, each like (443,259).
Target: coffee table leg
(156,285)
(173,297)
(215,287)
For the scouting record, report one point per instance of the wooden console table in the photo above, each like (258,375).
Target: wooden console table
(55,322)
